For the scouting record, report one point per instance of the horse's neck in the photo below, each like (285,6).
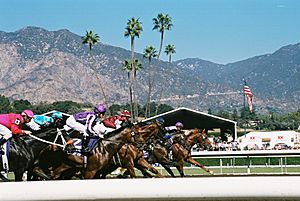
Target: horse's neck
(192,139)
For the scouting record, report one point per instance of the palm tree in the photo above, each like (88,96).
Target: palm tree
(161,23)
(132,30)
(170,49)
(149,53)
(127,66)
(91,39)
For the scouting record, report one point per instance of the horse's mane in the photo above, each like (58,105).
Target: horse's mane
(193,131)
(115,132)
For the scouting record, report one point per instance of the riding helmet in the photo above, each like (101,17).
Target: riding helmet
(27,113)
(100,108)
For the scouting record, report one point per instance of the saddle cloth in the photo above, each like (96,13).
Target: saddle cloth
(4,157)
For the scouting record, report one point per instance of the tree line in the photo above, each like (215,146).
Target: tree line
(253,120)
(71,107)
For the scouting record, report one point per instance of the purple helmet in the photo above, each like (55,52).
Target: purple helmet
(179,124)
(100,108)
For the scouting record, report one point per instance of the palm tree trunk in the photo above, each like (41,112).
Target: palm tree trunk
(158,104)
(161,44)
(101,86)
(133,86)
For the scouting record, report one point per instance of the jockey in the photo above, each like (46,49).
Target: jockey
(114,122)
(173,131)
(11,124)
(45,121)
(177,129)
(84,122)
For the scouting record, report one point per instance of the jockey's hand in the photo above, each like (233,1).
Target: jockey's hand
(27,132)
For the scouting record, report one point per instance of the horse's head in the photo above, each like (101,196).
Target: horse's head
(146,132)
(198,136)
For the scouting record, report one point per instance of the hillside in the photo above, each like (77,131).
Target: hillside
(41,65)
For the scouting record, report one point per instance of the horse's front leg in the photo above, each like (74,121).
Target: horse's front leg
(180,167)
(192,161)
(89,174)
(144,164)
(130,168)
(56,173)
(168,169)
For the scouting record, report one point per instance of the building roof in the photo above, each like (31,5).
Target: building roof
(195,119)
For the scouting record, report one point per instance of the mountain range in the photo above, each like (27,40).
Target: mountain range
(47,66)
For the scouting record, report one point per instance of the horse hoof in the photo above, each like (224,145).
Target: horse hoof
(211,172)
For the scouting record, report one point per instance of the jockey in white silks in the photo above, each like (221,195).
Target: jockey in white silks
(112,123)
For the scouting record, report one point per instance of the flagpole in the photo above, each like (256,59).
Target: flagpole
(244,106)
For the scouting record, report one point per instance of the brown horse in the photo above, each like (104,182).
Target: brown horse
(132,157)
(100,157)
(182,151)
(158,153)
(129,156)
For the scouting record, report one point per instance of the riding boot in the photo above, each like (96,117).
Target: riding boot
(85,143)
(2,141)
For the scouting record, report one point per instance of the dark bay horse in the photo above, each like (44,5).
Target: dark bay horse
(24,150)
(182,150)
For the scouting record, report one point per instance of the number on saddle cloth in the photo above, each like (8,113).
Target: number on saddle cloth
(78,143)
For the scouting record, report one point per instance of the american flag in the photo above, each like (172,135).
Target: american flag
(249,96)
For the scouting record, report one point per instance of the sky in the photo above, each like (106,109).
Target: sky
(220,31)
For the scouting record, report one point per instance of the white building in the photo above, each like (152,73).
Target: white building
(269,140)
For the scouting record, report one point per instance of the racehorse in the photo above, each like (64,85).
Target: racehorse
(158,153)
(100,156)
(147,137)
(182,151)
(23,151)
(129,156)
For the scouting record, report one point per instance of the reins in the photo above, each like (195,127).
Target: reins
(45,141)
(59,133)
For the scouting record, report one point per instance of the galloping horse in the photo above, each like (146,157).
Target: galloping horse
(182,152)
(131,156)
(159,154)
(23,151)
(100,157)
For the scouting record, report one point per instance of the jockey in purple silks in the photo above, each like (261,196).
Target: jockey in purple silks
(85,121)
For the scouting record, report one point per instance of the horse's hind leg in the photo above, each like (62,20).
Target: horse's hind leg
(192,161)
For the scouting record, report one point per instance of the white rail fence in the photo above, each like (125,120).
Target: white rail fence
(232,155)
(204,188)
